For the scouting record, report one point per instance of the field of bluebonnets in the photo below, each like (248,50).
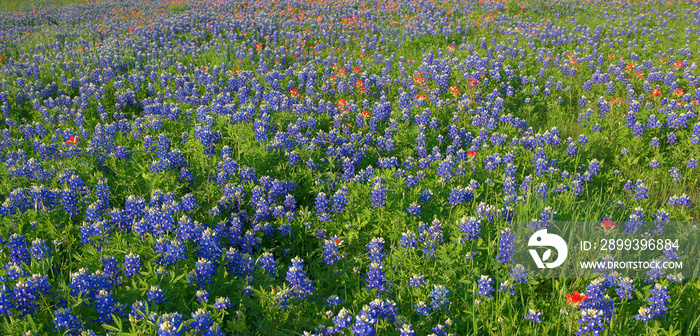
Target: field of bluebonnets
(338,167)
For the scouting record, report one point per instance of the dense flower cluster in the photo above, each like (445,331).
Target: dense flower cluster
(160,154)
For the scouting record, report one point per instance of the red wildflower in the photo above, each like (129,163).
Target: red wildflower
(73,140)
(472,153)
(455,90)
(294,92)
(608,224)
(576,298)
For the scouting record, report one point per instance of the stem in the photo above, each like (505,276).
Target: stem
(571,329)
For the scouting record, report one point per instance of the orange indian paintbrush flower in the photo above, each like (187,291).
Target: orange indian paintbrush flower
(576,298)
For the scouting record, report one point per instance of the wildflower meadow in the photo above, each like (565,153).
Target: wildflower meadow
(346,167)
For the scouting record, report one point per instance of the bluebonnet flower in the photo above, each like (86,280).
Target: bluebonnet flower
(640,190)
(440,330)
(170,324)
(296,277)
(486,211)
(660,219)
(582,102)
(692,163)
(222,303)
(364,323)
(156,295)
(533,315)
(625,288)
(547,215)
(439,298)
(654,142)
(27,292)
(406,330)
(132,265)
(506,246)
(675,174)
(63,319)
(343,319)
(635,222)
(138,311)
(6,303)
(422,308)
(106,306)
(202,295)
(414,209)
(201,320)
(671,138)
(13,272)
(598,299)
(376,278)
(374,249)
(485,284)
(334,300)
(471,227)
(339,200)
(378,197)
(330,250)
(594,167)
(39,250)
(425,196)
(282,297)
(431,235)
(655,271)
(408,240)
(322,207)
(239,263)
(519,273)
(416,281)
(111,270)
(460,195)
(682,200)
(506,285)
(675,278)
(659,299)
(267,262)
(19,254)
(214,330)
(591,322)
